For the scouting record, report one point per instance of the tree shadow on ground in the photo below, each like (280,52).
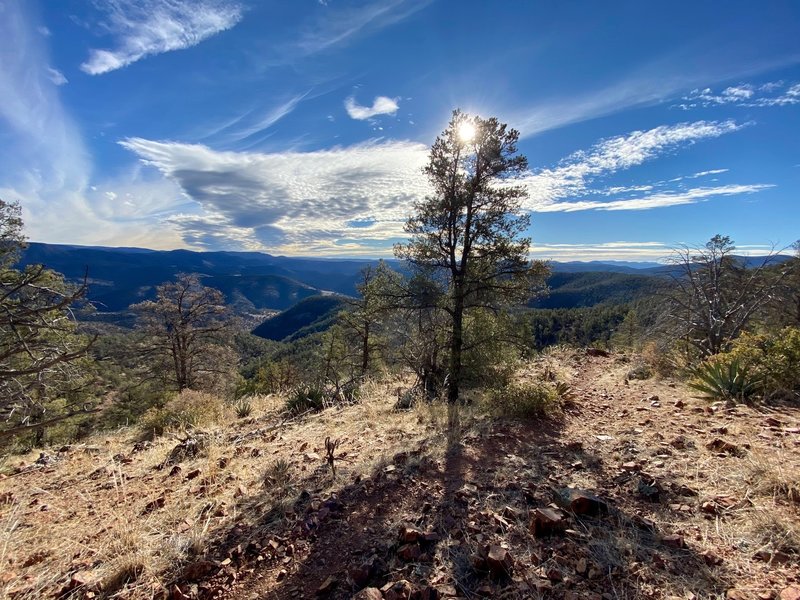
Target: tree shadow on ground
(477,494)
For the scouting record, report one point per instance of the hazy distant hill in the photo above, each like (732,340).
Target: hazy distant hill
(119,277)
(253,281)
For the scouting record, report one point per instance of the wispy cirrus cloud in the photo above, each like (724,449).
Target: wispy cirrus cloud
(563,187)
(625,251)
(340,23)
(382,105)
(776,93)
(251,125)
(656,200)
(46,167)
(143,28)
(56,76)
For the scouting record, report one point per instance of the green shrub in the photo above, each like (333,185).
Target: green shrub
(773,358)
(723,379)
(306,398)
(185,410)
(524,400)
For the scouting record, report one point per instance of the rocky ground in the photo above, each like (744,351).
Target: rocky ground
(638,490)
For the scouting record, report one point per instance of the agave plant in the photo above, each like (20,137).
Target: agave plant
(722,381)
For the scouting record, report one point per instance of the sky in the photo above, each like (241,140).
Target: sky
(301,127)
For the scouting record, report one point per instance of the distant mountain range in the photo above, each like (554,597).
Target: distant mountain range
(254,281)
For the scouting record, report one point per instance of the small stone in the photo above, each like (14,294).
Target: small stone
(673,541)
(790,593)
(582,567)
(361,574)
(193,474)
(546,521)
(198,570)
(579,502)
(409,533)
(499,561)
(369,593)
(720,445)
(327,586)
(409,552)
(398,590)
(154,505)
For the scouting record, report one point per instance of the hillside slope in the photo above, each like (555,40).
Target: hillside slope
(700,501)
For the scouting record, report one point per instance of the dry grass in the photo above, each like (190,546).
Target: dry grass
(97,509)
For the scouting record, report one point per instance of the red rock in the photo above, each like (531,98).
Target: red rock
(198,570)
(720,445)
(673,541)
(409,533)
(369,593)
(546,521)
(154,505)
(327,586)
(579,502)
(409,552)
(499,561)
(398,590)
(790,593)
(711,559)
(360,575)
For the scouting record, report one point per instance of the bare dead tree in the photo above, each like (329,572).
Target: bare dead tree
(715,294)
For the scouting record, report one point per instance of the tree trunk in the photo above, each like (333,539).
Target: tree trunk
(456,343)
(365,351)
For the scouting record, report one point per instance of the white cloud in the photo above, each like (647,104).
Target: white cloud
(382,105)
(56,76)
(776,93)
(617,250)
(660,200)
(144,28)
(650,251)
(45,165)
(573,176)
(292,202)
(355,199)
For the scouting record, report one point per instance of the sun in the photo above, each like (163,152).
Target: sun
(466,131)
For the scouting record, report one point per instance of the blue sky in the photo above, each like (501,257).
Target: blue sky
(300,127)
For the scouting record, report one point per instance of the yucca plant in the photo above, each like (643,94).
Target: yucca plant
(243,409)
(307,398)
(722,381)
